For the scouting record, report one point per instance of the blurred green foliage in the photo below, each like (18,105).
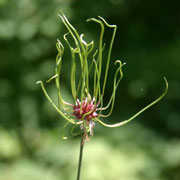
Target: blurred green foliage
(148,40)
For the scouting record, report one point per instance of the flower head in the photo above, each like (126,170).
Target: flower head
(86,110)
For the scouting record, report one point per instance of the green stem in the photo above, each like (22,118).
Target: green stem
(80,156)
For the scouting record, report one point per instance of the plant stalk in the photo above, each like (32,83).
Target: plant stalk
(80,156)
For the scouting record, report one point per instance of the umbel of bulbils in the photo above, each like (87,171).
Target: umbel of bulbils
(88,106)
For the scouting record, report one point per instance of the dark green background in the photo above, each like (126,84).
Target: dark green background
(148,40)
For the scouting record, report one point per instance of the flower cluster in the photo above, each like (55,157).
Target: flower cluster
(86,110)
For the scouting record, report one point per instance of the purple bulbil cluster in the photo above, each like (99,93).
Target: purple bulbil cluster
(85,110)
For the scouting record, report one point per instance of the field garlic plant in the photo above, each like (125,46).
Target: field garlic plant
(88,106)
